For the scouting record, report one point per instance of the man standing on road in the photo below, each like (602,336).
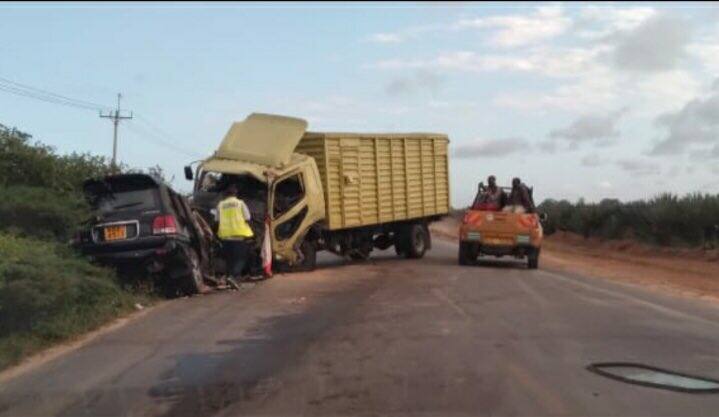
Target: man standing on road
(234,231)
(519,199)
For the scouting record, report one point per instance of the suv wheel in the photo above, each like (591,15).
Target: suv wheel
(194,281)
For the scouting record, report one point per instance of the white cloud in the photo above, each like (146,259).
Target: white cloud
(406,34)
(639,167)
(593,160)
(485,148)
(657,44)
(386,38)
(705,48)
(605,185)
(605,20)
(707,52)
(410,84)
(594,128)
(694,127)
(514,30)
(551,62)
(596,89)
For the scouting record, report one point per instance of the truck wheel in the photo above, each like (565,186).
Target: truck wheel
(401,241)
(467,253)
(418,241)
(533,259)
(309,257)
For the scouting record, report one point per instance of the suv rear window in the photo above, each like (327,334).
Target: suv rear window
(119,194)
(128,200)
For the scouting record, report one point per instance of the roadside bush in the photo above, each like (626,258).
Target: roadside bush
(666,219)
(48,294)
(37,164)
(37,212)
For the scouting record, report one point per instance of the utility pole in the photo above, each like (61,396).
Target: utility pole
(115,116)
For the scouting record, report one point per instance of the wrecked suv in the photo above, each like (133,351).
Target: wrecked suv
(143,227)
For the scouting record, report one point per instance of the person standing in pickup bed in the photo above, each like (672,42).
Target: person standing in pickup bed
(234,230)
(519,199)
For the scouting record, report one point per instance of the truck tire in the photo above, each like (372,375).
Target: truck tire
(468,253)
(309,257)
(417,241)
(533,259)
(401,240)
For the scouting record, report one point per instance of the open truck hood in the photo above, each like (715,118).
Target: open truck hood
(263,139)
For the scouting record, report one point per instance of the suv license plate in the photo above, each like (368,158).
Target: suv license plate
(115,233)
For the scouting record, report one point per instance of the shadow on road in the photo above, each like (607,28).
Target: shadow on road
(206,383)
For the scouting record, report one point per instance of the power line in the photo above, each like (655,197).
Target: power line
(38,92)
(151,136)
(29,94)
(153,133)
(156,129)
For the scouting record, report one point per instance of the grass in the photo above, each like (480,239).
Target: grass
(48,295)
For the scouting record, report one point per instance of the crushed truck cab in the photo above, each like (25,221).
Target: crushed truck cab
(500,234)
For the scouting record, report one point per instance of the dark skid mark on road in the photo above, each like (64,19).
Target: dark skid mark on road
(237,375)
(650,376)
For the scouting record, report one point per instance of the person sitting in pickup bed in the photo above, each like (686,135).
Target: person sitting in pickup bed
(519,199)
(490,198)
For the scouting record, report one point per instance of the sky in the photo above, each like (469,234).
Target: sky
(592,100)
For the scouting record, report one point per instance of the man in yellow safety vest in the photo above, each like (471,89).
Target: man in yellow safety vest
(234,231)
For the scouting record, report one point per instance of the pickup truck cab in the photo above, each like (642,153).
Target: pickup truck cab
(499,233)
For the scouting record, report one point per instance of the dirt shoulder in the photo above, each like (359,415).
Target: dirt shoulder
(687,272)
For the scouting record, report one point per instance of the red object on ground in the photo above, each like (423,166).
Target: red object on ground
(267,250)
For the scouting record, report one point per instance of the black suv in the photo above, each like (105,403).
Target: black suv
(140,224)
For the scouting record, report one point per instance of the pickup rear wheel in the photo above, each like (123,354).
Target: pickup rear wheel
(533,259)
(468,253)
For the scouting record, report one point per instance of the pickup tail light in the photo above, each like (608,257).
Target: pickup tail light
(164,225)
(473,218)
(528,221)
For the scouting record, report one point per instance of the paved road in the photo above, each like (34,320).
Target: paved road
(389,337)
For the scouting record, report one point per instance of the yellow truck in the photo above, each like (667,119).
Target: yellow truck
(346,193)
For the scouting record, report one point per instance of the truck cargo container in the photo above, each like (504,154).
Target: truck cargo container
(347,193)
